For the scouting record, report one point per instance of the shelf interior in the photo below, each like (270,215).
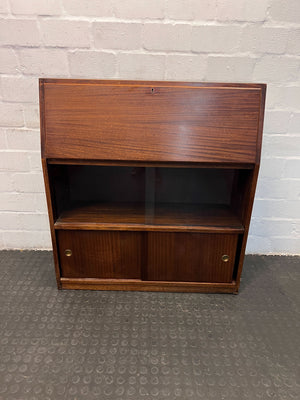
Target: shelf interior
(147,198)
(150,216)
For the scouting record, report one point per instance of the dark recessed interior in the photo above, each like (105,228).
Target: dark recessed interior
(146,190)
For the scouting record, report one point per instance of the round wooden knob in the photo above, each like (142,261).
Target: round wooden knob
(225,257)
(68,252)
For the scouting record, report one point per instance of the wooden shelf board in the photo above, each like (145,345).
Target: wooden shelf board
(141,164)
(151,217)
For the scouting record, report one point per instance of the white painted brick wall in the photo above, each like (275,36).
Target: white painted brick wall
(35,7)
(60,33)
(175,37)
(285,11)
(243,10)
(117,35)
(44,62)
(191,10)
(207,40)
(178,65)
(8,61)
(92,64)
(216,39)
(260,39)
(229,68)
(276,69)
(95,8)
(19,32)
(4,7)
(139,9)
(19,89)
(141,66)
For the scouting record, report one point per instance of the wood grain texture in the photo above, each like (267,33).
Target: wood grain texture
(149,286)
(118,82)
(261,122)
(190,257)
(154,122)
(151,217)
(100,254)
(61,161)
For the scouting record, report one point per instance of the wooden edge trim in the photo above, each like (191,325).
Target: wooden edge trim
(42,115)
(150,163)
(154,286)
(51,222)
(118,82)
(260,122)
(247,223)
(149,228)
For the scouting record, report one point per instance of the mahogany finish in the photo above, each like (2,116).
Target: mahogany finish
(151,217)
(150,185)
(151,123)
(153,286)
(100,254)
(192,257)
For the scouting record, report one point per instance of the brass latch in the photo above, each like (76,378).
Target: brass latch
(68,252)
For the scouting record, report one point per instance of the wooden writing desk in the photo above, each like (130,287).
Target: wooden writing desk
(150,185)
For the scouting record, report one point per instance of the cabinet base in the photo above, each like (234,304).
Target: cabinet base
(147,286)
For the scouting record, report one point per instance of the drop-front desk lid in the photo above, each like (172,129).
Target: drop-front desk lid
(151,121)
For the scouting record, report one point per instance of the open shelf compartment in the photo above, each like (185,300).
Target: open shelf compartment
(96,197)
(149,217)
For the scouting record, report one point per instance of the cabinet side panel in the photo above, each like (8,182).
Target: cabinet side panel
(251,186)
(50,206)
(151,123)
(42,116)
